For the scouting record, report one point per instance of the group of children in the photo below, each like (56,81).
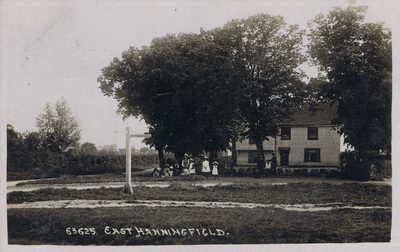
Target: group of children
(188,168)
(205,170)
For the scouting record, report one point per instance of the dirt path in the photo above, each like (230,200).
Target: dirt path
(13,186)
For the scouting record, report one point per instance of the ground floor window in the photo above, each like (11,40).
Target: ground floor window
(312,155)
(253,157)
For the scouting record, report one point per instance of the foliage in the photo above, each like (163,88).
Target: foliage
(355,62)
(225,165)
(15,148)
(26,154)
(46,164)
(267,51)
(177,86)
(58,129)
(88,148)
(373,166)
(195,91)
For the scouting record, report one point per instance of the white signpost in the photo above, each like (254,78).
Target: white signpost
(128,182)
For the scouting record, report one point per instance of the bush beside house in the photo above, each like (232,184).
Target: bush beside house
(375,166)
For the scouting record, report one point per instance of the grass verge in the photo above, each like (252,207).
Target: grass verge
(294,193)
(173,225)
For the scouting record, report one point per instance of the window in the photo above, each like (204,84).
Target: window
(312,133)
(312,155)
(253,157)
(285,133)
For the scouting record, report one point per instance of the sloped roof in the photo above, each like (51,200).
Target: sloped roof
(321,114)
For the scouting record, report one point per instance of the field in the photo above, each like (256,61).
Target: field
(192,210)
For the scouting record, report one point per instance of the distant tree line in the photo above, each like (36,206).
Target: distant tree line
(55,150)
(27,158)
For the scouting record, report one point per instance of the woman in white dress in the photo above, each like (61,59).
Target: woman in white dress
(206,167)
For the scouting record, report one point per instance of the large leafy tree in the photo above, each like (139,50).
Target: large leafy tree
(178,86)
(195,91)
(58,129)
(354,59)
(267,52)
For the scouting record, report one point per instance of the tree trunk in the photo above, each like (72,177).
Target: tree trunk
(260,147)
(213,156)
(161,158)
(260,156)
(234,153)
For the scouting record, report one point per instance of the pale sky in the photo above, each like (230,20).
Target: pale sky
(54,49)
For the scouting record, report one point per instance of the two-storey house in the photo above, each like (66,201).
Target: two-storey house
(309,140)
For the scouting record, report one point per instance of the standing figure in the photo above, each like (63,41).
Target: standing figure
(273,164)
(185,165)
(206,167)
(215,170)
(192,169)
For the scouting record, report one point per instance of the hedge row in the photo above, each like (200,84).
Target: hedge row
(45,164)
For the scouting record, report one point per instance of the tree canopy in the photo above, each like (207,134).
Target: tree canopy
(354,59)
(179,87)
(58,129)
(198,92)
(268,52)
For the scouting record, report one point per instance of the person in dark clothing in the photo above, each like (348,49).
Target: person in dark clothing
(273,164)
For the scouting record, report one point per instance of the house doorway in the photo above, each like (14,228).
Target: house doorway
(284,154)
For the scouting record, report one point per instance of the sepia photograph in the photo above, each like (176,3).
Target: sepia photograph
(174,125)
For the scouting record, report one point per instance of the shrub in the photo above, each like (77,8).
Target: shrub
(352,167)
(323,172)
(296,172)
(288,172)
(314,173)
(332,174)
(241,172)
(386,168)
(225,165)
(84,164)
(373,166)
